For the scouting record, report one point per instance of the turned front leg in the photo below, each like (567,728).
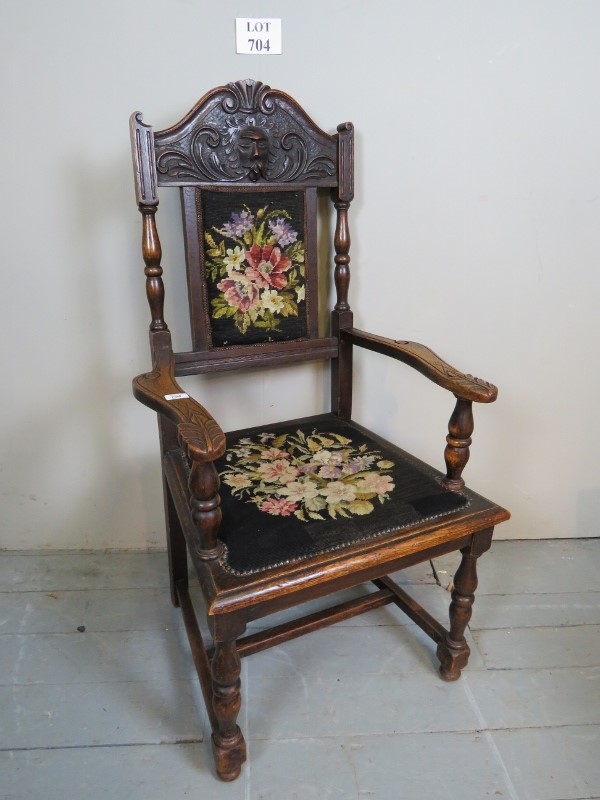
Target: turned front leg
(229,747)
(453,651)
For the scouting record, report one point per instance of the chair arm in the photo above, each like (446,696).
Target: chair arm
(198,431)
(421,358)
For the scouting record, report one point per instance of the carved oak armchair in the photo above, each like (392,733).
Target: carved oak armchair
(276,515)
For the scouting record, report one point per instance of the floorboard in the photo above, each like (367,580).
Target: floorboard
(99,697)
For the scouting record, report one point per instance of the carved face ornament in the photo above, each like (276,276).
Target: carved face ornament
(253,148)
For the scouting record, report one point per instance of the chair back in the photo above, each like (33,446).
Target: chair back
(249,163)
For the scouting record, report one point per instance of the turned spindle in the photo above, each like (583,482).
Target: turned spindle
(152,252)
(341,372)
(341,274)
(205,504)
(458,441)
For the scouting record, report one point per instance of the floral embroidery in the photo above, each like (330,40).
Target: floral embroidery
(261,276)
(308,476)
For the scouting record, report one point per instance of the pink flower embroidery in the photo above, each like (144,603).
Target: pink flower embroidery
(274,452)
(237,481)
(336,491)
(373,482)
(278,506)
(280,471)
(267,266)
(239,291)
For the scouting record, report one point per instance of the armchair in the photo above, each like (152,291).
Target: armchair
(280,514)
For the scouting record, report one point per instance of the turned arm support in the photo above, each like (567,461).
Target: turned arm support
(425,361)
(466,389)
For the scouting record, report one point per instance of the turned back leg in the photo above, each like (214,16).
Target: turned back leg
(176,547)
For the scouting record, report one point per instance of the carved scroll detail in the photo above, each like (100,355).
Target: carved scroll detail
(254,133)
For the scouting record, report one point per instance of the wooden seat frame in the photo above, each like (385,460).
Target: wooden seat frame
(191,439)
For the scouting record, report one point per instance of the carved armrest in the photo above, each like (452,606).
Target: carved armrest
(425,361)
(466,388)
(198,431)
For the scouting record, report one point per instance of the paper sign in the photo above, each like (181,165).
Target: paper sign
(258,37)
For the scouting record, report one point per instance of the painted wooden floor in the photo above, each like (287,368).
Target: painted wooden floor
(98,697)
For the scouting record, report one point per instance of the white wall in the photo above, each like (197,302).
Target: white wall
(476,229)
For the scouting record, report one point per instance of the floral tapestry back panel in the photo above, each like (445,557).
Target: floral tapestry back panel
(254,266)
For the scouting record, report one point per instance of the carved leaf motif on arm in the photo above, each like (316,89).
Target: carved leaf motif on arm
(459,379)
(201,438)
(479,381)
(199,432)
